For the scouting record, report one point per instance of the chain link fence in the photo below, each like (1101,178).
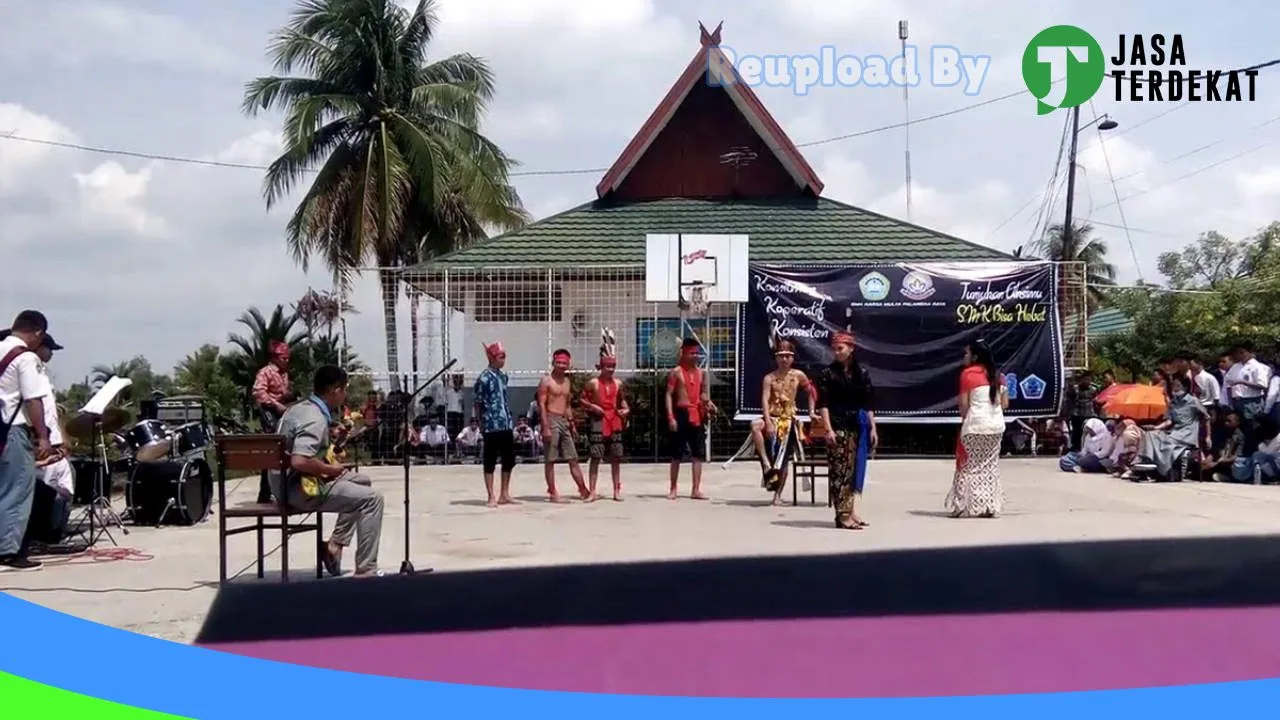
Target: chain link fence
(436,315)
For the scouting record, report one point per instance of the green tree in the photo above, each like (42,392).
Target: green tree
(146,381)
(1211,260)
(249,353)
(1079,246)
(205,373)
(387,133)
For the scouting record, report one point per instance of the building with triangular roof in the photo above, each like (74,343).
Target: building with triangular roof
(558,281)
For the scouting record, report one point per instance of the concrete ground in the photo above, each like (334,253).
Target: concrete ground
(164,587)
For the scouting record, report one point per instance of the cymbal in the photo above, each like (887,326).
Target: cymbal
(81,426)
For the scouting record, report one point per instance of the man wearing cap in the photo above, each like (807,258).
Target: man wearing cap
(23,433)
(272,393)
(51,504)
(493,410)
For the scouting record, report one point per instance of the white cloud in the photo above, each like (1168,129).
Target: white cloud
(18,157)
(113,195)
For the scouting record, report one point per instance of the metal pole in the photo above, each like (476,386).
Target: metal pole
(1067,228)
(906,108)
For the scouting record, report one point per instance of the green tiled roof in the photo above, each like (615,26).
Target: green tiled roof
(790,230)
(1109,321)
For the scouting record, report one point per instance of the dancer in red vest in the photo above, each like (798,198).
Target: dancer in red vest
(606,404)
(688,406)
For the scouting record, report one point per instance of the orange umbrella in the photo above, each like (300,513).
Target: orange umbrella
(1140,402)
(1109,392)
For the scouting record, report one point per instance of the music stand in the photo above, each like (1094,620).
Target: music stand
(100,500)
(406,567)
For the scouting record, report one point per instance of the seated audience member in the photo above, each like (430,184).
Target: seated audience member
(1168,450)
(1095,448)
(528,442)
(1126,436)
(469,440)
(433,439)
(1264,464)
(314,484)
(1227,447)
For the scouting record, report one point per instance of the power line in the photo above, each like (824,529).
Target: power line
(99,150)
(1115,189)
(1193,173)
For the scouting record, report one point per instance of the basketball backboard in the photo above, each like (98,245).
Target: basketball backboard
(672,262)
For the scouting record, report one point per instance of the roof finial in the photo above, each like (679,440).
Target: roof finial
(710,39)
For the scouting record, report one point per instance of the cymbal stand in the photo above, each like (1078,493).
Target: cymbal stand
(98,514)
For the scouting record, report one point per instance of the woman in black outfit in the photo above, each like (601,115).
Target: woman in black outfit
(846,400)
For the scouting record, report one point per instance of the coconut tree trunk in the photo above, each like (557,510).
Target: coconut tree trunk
(390,283)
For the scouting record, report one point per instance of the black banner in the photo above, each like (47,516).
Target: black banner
(912,322)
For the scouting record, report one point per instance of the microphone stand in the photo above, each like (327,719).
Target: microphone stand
(406,567)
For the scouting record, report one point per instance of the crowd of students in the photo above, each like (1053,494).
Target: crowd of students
(1221,424)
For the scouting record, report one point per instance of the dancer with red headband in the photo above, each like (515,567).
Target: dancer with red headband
(273,394)
(846,399)
(606,404)
(493,411)
(559,435)
(688,400)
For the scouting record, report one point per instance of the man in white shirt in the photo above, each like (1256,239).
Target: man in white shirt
(469,440)
(1247,382)
(450,401)
(26,437)
(434,438)
(1210,391)
(51,506)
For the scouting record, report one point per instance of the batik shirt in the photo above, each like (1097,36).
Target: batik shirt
(494,400)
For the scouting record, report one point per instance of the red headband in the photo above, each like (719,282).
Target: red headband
(279,348)
(494,350)
(608,361)
(842,338)
(562,355)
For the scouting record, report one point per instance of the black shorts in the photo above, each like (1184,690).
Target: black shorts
(689,441)
(499,445)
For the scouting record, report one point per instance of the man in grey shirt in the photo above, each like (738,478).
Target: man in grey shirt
(318,484)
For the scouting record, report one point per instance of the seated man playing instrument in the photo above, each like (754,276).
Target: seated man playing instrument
(778,432)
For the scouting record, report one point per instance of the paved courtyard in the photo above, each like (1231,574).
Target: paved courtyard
(166,585)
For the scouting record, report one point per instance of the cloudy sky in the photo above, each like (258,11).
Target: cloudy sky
(132,255)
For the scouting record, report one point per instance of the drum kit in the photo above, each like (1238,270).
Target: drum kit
(169,478)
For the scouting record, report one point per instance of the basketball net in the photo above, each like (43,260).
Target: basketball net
(697,307)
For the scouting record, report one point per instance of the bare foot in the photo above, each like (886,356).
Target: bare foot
(617,497)
(556,499)
(592,497)
(861,522)
(698,496)
(507,501)
(673,495)
(492,503)
(778,501)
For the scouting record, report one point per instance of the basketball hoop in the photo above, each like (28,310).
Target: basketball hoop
(698,303)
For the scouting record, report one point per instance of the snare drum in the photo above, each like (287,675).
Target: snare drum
(149,440)
(192,437)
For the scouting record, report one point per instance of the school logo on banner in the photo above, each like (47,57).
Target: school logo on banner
(917,286)
(874,287)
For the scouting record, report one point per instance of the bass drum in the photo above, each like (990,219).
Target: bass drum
(170,492)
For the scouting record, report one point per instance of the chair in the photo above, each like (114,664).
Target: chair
(253,454)
(810,466)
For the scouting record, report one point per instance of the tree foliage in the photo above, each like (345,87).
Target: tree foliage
(1219,292)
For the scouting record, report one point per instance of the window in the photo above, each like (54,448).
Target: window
(519,304)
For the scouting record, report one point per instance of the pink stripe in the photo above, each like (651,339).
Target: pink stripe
(851,657)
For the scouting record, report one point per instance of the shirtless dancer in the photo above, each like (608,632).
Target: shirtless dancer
(605,402)
(689,403)
(559,436)
(779,427)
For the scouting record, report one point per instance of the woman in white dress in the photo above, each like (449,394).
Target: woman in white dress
(976,489)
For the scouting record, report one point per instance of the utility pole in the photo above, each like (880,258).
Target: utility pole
(1067,228)
(906,108)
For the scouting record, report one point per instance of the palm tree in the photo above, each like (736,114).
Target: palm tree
(390,133)
(1080,246)
(253,351)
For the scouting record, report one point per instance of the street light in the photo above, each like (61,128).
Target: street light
(1104,123)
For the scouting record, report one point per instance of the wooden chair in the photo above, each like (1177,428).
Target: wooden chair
(256,453)
(810,467)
